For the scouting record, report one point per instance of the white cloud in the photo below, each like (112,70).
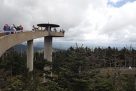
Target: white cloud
(115,1)
(108,24)
(83,20)
(122,22)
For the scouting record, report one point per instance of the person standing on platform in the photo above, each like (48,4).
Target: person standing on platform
(12,29)
(6,29)
(21,28)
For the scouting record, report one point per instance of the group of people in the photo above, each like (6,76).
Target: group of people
(46,29)
(12,29)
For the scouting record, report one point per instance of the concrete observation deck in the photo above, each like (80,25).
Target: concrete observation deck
(8,41)
(43,30)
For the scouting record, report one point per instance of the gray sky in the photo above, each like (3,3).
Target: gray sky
(94,21)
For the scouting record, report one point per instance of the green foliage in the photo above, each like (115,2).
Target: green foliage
(14,84)
(75,69)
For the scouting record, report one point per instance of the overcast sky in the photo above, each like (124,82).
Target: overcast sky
(93,21)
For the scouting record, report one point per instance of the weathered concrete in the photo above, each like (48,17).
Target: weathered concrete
(48,48)
(1,34)
(30,55)
(8,41)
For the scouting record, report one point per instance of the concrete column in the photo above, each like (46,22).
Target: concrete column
(48,48)
(30,55)
(47,54)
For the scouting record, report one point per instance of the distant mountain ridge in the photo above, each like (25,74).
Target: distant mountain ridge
(38,46)
(23,48)
(56,45)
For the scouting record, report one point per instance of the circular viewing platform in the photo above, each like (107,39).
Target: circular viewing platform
(47,25)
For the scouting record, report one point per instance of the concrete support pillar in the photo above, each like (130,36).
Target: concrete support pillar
(48,48)
(30,55)
(47,55)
